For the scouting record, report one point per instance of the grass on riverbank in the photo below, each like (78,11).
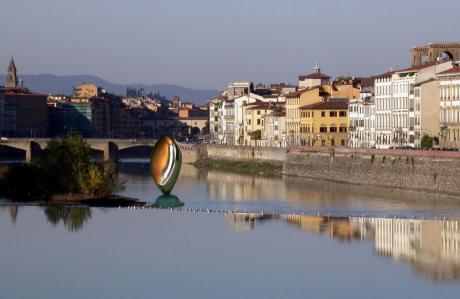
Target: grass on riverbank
(244,167)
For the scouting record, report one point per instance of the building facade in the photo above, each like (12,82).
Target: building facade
(22,113)
(314,79)
(361,124)
(274,131)
(449,113)
(325,124)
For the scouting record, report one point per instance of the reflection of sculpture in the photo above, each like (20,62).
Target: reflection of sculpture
(165,163)
(168,201)
(73,218)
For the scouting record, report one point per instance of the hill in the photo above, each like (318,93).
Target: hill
(48,83)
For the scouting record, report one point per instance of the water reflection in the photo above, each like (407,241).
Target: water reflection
(200,188)
(431,247)
(73,218)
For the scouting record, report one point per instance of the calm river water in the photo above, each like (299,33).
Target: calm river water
(291,238)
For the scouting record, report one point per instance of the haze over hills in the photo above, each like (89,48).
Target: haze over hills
(48,83)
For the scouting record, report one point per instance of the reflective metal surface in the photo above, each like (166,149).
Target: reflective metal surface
(165,163)
(168,201)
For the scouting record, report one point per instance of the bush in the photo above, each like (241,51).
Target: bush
(426,142)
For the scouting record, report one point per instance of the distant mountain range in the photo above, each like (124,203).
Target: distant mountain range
(47,83)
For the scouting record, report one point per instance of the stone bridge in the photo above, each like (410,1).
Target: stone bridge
(109,147)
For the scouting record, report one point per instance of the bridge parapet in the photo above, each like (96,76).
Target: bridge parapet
(109,147)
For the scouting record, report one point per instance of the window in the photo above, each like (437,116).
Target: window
(332,113)
(343,113)
(342,129)
(332,129)
(342,142)
(323,129)
(258,112)
(332,142)
(323,114)
(258,121)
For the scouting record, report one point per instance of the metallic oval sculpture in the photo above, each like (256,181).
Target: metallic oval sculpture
(165,163)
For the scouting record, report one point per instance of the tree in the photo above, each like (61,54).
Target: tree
(426,142)
(63,168)
(256,135)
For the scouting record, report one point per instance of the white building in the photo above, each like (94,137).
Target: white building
(395,105)
(274,132)
(449,83)
(383,108)
(216,119)
(361,123)
(314,79)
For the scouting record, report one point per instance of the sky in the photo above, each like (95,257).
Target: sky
(209,43)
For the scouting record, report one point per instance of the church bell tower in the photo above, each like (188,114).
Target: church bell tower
(11,77)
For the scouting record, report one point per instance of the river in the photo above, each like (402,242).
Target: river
(236,236)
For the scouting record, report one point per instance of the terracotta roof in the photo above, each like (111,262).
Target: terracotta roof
(326,106)
(416,68)
(297,93)
(385,75)
(259,106)
(20,91)
(314,76)
(454,70)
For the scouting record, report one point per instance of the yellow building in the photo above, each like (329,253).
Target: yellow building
(254,117)
(87,90)
(324,124)
(296,100)
(348,89)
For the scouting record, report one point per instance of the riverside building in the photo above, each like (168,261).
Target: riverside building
(22,113)
(325,123)
(406,104)
(361,123)
(449,114)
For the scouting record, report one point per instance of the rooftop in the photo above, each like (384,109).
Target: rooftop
(451,71)
(326,106)
(314,76)
(297,93)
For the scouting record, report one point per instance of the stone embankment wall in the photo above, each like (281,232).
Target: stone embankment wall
(246,153)
(432,171)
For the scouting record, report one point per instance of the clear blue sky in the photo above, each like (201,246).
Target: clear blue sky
(208,43)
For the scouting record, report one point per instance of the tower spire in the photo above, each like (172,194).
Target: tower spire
(12,76)
(317,69)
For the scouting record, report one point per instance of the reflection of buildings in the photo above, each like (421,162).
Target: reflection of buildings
(335,227)
(13,213)
(245,221)
(431,247)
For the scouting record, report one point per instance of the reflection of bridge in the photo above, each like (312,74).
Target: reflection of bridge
(109,147)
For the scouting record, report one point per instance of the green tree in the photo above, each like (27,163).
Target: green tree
(64,167)
(73,218)
(426,142)
(256,135)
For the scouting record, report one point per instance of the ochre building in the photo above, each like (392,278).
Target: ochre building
(324,124)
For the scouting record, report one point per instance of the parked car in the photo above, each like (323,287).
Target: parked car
(4,138)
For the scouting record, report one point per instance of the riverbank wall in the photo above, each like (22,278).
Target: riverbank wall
(431,171)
